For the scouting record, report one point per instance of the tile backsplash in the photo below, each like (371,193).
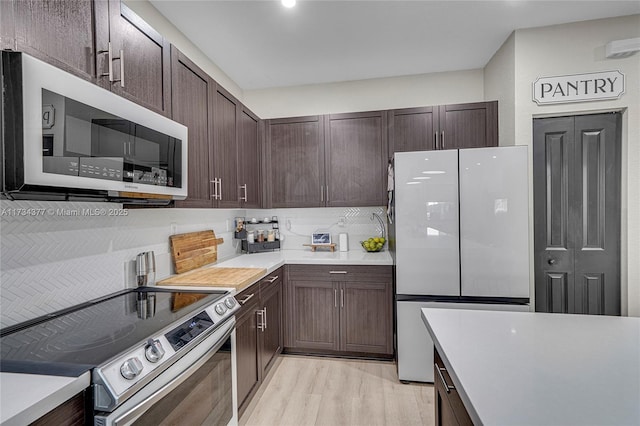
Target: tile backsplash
(57,254)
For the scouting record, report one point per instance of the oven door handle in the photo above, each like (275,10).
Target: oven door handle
(142,407)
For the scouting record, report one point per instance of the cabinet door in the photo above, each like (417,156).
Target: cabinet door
(249,149)
(225,124)
(58,32)
(356,159)
(192,106)
(366,317)
(295,162)
(413,129)
(468,125)
(449,408)
(247,354)
(143,71)
(313,315)
(272,326)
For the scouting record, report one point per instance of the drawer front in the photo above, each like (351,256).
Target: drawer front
(341,273)
(272,280)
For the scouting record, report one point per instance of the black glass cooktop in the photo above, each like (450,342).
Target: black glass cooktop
(70,342)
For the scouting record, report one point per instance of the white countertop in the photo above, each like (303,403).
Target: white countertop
(27,395)
(273,260)
(525,368)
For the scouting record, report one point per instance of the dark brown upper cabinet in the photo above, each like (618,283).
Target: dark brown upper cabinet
(472,125)
(413,129)
(294,163)
(133,60)
(334,160)
(225,125)
(249,155)
(224,140)
(356,160)
(60,33)
(192,105)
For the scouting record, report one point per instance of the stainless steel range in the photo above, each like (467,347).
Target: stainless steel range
(147,349)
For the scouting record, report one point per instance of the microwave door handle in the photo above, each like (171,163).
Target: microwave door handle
(143,406)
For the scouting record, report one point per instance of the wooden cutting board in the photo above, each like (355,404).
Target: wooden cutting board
(217,277)
(194,249)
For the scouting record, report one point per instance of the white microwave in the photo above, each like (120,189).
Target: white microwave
(64,138)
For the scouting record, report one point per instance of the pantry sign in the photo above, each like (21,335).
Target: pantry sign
(578,87)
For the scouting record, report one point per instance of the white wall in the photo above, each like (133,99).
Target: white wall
(499,84)
(368,95)
(150,14)
(574,49)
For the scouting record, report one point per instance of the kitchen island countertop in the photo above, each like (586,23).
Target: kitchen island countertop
(525,368)
(25,398)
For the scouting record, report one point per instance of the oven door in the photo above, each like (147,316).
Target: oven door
(198,389)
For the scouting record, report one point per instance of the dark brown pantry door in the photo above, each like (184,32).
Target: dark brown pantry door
(576,163)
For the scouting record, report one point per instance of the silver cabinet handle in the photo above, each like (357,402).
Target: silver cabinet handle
(264,318)
(246,299)
(442,140)
(342,298)
(322,193)
(435,140)
(217,189)
(121,58)
(110,61)
(335,298)
(447,387)
(327,193)
(244,188)
(338,272)
(260,324)
(272,279)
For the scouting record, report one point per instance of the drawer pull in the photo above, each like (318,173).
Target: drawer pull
(246,299)
(272,279)
(447,387)
(338,272)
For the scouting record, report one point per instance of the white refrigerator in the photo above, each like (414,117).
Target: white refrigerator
(461,240)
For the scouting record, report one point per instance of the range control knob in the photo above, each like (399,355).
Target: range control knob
(220,309)
(131,368)
(154,350)
(230,302)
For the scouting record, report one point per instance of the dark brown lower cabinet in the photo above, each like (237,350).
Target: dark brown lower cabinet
(258,334)
(247,355)
(339,310)
(69,413)
(449,408)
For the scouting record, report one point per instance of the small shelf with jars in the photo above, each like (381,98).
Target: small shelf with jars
(256,240)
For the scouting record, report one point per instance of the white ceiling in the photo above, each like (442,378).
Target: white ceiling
(260,44)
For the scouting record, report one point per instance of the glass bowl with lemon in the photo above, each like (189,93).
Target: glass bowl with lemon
(373,244)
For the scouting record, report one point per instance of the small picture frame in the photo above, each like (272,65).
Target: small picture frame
(321,238)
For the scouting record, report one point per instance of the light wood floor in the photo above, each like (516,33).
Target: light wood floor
(302,390)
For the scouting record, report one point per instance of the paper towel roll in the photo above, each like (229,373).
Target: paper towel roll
(344,242)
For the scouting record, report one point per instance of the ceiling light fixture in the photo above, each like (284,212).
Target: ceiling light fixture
(288,3)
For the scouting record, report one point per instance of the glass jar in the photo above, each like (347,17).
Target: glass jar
(251,237)
(271,235)
(260,236)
